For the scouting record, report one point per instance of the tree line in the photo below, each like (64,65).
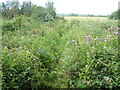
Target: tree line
(10,9)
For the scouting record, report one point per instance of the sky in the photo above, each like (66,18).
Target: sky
(96,7)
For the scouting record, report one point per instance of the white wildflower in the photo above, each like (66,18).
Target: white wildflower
(22,37)
(106,78)
(20,47)
(28,52)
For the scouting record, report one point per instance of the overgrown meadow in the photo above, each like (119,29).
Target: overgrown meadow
(60,53)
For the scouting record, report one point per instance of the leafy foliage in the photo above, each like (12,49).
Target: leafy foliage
(14,24)
(11,9)
(115,15)
(61,54)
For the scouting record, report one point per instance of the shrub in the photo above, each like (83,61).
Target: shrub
(115,15)
(15,24)
(68,54)
(12,25)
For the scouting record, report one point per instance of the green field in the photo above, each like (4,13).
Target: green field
(60,53)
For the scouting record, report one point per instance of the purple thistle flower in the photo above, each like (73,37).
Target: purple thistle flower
(87,36)
(108,37)
(115,32)
(96,39)
(34,59)
(77,72)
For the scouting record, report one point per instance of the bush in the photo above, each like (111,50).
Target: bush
(68,54)
(12,25)
(15,24)
(115,15)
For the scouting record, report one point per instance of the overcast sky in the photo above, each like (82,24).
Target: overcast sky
(98,7)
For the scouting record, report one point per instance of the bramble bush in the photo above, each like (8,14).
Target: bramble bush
(16,23)
(61,54)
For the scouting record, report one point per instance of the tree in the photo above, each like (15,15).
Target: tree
(26,8)
(115,15)
(38,12)
(10,9)
(3,9)
(73,14)
(6,9)
(15,8)
(50,9)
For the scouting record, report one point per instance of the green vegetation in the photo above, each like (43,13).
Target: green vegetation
(60,54)
(115,15)
(40,52)
(11,9)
